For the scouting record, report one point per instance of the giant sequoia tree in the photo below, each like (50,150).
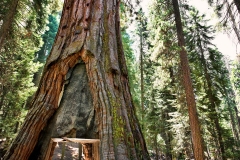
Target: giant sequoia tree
(84,90)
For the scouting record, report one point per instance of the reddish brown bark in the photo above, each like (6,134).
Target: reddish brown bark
(87,150)
(89,31)
(190,99)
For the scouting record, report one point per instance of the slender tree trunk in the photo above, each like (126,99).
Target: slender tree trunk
(7,21)
(141,68)
(156,147)
(232,18)
(233,114)
(166,135)
(2,109)
(236,111)
(190,99)
(84,91)
(237,3)
(237,115)
(187,145)
(212,106)
(2,96)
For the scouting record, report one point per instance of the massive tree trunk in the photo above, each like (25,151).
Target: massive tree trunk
(190,99)
(7,21)
(84,90)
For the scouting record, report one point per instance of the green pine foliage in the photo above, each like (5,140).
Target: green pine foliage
(211,80)
(48,38)
(17,65)
(228,16)
(132,67)
(131,61)
(165,96)
(173,131)
(235,80)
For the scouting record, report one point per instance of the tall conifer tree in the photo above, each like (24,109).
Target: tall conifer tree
(190,99)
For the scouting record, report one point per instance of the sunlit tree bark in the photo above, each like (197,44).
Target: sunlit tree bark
(190,99)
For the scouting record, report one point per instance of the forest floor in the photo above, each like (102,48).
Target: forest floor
(67,152)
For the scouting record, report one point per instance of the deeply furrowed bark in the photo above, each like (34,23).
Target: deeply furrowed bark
(89,31)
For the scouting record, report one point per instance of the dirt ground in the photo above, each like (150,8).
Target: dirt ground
(69,153)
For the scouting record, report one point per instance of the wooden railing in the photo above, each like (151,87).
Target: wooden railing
(88,147)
